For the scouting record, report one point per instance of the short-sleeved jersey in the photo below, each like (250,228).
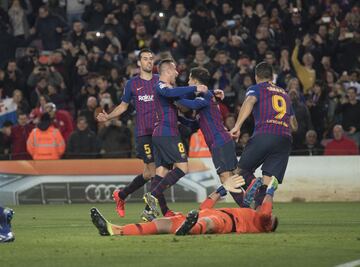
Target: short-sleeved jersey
(166,111)
(210,120)
(142,93)
(272,111)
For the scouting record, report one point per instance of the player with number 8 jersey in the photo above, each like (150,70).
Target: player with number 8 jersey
(270,145)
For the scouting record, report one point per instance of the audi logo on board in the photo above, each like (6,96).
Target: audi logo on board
(101,192)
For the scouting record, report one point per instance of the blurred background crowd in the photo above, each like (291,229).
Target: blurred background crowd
(71,59)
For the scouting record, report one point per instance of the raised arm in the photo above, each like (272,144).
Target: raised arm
(120,109)
(165,91)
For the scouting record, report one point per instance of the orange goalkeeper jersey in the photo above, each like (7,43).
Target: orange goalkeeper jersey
(241,220)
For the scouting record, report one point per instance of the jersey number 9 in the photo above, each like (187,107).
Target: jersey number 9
(279,105)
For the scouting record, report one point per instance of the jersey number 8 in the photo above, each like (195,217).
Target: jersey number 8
(181,148)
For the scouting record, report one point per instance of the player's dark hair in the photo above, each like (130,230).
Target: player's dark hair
(264,71)
(164,62)
(275,225)
(200,74)
(144,50)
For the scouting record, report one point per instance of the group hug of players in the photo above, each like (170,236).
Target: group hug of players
(158,103)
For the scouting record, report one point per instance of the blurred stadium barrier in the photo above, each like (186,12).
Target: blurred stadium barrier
(314,178)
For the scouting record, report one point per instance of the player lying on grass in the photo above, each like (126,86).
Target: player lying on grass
(206,221)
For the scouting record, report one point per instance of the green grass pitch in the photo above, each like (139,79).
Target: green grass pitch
(309,234)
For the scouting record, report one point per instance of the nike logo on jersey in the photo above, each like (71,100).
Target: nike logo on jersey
(137,89)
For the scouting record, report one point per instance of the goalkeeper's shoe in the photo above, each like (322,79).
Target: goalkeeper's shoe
(188,224)
(153,203)
(120,203)
(5,225)
(100,222)
(251,191)
(273,185)
(147,216)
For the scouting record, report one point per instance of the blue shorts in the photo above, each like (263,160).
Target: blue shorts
(144,148)
(272,151)
(168,150)
(224,157)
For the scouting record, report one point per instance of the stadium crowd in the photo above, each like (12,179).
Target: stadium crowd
(71,60)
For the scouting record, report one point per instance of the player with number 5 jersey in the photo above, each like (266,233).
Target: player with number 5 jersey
(270,145)
(139,91)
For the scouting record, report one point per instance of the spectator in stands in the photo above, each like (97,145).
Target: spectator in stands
(89,113)
(18,12)
(5,131)
(341,145)
(94,15)
(106,104)
(114,137)
(351,80)
(61,120)
(45,142)
(179,23)
(21,103)
(36,112)
(311,146)
(75,9)
(13,79)
(305,71)
(350,112)
(17,136)
(303,118)
(83,142)
(104,87)
(49,28)
(317,104)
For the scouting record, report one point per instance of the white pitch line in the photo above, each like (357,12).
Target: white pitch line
(350,264)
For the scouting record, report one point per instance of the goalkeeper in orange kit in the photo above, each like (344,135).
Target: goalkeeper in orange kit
(205,221)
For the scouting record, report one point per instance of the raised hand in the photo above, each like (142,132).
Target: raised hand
(234,184)
(219,93)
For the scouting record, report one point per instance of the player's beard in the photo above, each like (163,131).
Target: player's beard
(147,69)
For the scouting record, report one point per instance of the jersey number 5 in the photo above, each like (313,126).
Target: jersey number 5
(279,105)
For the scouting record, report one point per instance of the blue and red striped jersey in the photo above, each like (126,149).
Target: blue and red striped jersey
(142,93)
(166,111)
(272,111)
(210,119)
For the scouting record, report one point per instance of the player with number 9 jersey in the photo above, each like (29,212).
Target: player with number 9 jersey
(270,145)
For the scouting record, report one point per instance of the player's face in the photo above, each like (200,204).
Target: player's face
(147,62)
(191,81)
(173,73)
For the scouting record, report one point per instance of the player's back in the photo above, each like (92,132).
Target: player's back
(166,114)
(248,220)
(272,111)
(211,124)
(142,93)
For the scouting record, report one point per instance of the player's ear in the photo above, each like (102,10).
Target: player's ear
(138,63)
